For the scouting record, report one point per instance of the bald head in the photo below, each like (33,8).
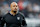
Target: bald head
(13,3)
(14,6)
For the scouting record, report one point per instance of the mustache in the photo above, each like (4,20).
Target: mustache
(15,8)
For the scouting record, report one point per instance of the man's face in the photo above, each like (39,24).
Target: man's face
(14,7)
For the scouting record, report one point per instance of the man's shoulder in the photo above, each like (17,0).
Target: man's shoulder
(6,15)
(21,14)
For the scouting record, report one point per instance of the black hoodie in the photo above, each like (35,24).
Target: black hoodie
(13,21)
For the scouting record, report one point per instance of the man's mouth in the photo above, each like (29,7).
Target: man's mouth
(14,11)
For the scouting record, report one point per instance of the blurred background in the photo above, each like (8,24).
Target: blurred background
(30,8)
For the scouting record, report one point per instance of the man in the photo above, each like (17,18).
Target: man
(14,18)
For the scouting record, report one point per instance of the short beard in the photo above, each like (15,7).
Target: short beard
(16,11)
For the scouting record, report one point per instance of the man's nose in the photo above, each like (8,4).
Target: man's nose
(15,9)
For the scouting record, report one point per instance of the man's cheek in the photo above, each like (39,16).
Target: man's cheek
(12,8)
